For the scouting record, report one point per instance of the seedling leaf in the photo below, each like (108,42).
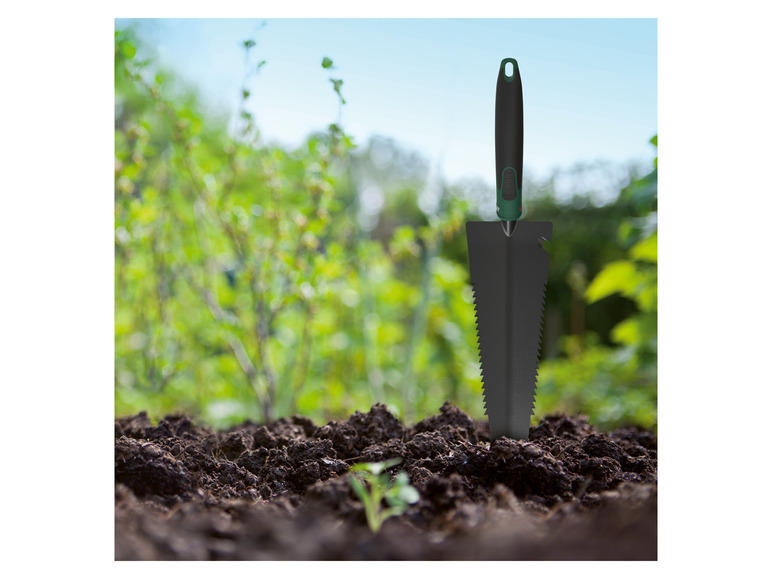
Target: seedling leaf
(371,484)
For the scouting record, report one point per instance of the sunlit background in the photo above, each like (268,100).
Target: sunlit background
(290,203)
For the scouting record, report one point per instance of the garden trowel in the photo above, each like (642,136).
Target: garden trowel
(508,269)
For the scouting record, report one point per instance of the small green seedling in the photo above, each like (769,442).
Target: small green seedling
(372,485)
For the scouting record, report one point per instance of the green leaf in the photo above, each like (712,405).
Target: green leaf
(326,62)
(616,277)
(646,249)
(249,43)
(394,511)
(635,330)
(646,292)
(396,502)
(128,50)
(359,489)
(653,140)
(376,467)
(627,332)
(408,494)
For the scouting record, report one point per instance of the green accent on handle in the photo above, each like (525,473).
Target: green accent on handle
(514,64)
(509,203)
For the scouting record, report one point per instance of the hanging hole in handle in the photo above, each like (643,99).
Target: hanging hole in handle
(509,69)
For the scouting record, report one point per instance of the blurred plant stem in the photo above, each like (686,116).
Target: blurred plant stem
(577,279)
(367,303)
(430,249)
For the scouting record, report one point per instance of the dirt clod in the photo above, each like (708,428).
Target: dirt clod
(281,490)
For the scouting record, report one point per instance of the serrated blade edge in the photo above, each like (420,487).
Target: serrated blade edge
(509,277)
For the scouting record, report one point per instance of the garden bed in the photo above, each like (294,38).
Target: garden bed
(281,491)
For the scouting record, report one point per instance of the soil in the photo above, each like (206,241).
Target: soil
(281,490)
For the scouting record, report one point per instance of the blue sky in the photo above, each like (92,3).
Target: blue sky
(590,85)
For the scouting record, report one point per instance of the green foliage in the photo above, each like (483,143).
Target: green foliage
(245,284)
(635,278)
(610,385)
(337,83)
(373,486)
(615,384)
(254,281)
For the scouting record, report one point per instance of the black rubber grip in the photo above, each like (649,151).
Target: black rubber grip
(509,131)
(509,184)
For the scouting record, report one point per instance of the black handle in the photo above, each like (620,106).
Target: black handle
(509,143)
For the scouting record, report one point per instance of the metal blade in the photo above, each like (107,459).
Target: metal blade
(509,276)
